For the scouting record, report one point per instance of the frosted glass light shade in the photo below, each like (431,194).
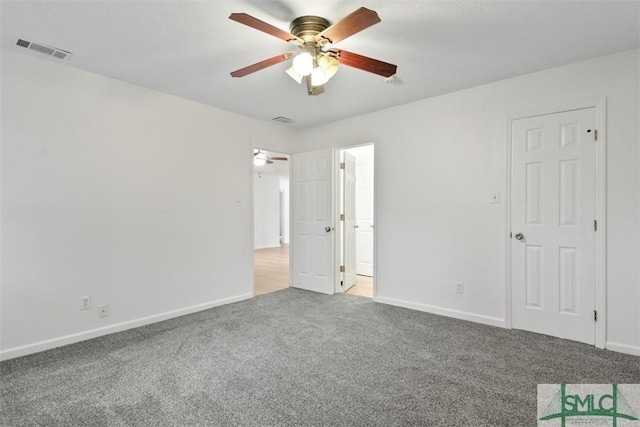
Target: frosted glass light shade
(303,63)
(328,64)
(294,75)
(318,77)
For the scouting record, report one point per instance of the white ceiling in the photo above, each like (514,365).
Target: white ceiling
(188,48)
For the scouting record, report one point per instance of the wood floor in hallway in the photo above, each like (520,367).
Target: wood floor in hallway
(271,269)
(363,287)
(272,273)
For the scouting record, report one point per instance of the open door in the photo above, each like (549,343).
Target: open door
(349,221)
(313,250)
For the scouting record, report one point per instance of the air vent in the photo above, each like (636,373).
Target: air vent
(282,119)
(47,50)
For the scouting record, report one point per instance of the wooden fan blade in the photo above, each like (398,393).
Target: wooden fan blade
(365,63)
(351,24)
(262,64)
(278,158)
(252,22)
(313,90)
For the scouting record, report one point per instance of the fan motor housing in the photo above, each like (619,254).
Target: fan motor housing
(307,27)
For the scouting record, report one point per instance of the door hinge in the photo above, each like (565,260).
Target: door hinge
(595,225)
(341,217)
(342,269)
(342,165)
(595,315)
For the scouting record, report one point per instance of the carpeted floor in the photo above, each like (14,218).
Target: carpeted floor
(298,358)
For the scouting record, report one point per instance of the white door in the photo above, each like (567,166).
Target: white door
(552,220)
(313,226)
(364,210)
(349,223)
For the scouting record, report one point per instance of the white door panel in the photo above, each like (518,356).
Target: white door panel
(313,227)
(364,212)
(552,217)
(349,223)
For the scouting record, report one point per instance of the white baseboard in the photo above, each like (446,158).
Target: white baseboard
(478,318)
(118,327)
(623,348)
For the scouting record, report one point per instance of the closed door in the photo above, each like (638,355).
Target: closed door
(553,228)
(349,222)
(313,227)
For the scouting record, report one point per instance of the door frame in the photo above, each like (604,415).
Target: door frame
(336,192)
(600,105)
(252,209)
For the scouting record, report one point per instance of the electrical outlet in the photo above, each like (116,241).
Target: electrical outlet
(459,288)
(103,310)
(85,303)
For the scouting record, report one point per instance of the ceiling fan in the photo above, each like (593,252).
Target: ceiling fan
(260,158)
(316,61)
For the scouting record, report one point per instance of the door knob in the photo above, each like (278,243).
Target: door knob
(327,229)
(519,236)
(356,226)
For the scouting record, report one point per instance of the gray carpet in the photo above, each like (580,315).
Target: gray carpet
(299,358)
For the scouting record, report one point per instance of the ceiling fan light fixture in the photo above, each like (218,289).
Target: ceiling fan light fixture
(303,64)
(317,60)
(318,77)
(294,75)
(260,159)
(329,65)
(327,68)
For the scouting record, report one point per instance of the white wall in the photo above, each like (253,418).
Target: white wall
(121,193)
(266,207)
(439,159)
(118,192)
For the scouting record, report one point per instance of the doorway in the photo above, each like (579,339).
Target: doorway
(356,205)
(271,221)
(555,245)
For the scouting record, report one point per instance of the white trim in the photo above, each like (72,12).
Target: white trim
(376,218)
(600,105)
(600,262)
(508,316)
(118,327)
(336,194)
(252,221)
(634,350)
(372,143)
(443,311)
